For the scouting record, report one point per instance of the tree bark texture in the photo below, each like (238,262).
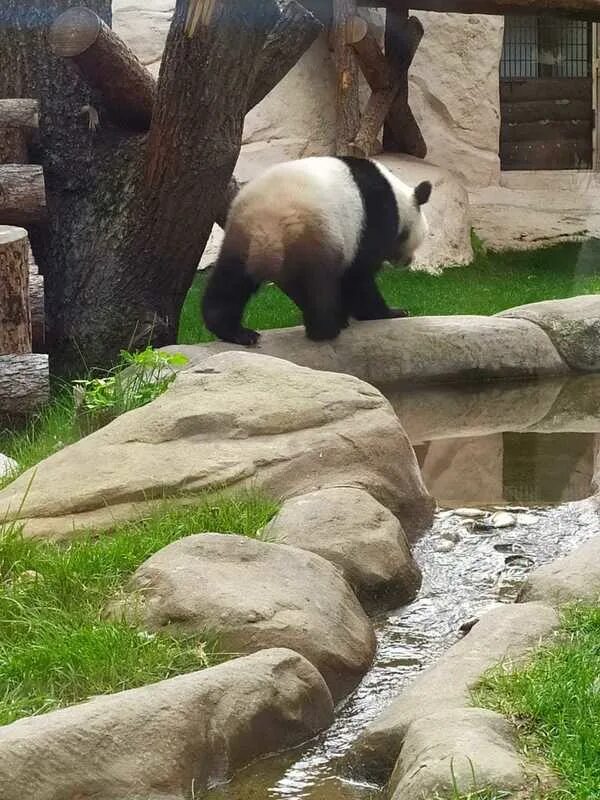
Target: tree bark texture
(22,194)
(107,64)
(130,213)
(24,383)
(36,306)
(402,37)
(18,123)
(15,319)
(347,98)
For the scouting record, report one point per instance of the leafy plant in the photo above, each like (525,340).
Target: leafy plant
(137,379)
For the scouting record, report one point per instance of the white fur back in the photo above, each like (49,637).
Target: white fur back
(303,200)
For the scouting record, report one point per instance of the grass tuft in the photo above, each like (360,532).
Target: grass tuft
(555,699)
(56,647)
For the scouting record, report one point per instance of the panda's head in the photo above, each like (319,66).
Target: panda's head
(412,222)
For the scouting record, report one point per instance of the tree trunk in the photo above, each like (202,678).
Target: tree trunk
(130,213)
(15,320)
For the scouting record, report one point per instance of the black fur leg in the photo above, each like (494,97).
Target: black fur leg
(363,299)
(227,292)
(317,294)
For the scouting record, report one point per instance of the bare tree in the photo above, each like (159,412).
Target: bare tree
(131,201)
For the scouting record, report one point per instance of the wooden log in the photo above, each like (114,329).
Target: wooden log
(15,319)
(38,312)
(19,113)
(24,383)
(291,36)
(402,37)
(583,9)
(13,146)
(372,62)
(18,122)
(347,100)
(107,65)
(378,107)
(22,194)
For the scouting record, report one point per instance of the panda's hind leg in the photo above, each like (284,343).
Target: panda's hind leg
(363,300)
(317,292)
(228,290)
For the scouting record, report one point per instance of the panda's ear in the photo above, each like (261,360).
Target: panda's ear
(423,193)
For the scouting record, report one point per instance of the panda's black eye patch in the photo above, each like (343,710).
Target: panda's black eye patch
(403,235)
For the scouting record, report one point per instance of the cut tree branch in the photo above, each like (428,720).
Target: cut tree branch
(18,123)
(24,383)
(22,194)
(347,99)
(15,320)
(107,64)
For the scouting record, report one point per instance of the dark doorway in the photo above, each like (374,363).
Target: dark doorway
(546,92)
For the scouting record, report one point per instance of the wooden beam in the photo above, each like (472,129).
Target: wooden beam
(22,194)
(347,100)
(402,37)
(24,383)
(18,123)
(15,319)
(37,307)
(107,65)
(583,9)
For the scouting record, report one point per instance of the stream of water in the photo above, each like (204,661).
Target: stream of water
(465,570)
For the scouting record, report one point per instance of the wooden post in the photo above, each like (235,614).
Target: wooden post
(18,121)
(37,307)
(347,100)
(24,383)
(107,64)
(402,37)
(22,194)
(15,319)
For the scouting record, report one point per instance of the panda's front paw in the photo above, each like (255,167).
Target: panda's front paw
(247,337)
(398,313)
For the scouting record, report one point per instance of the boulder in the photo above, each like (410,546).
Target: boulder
(239,420)
(454,93)
(358,535)
(7,465)
(573,578)
(449,239)
(573,325)
(255,595)
(505,632)
(457,751)
(414,350)
(166,739)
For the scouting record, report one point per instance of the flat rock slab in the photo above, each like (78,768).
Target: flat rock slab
(241,420)
(506,632)
(160,740)
(417,349)
(460,750)
(573,325)
(358,535)
(255,595)
(570,579)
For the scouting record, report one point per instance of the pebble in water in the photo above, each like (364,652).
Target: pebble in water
(502,519)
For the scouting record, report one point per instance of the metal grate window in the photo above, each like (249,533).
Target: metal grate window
(546,47)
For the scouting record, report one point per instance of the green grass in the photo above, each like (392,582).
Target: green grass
(56,647)
(492,283)
(556,701)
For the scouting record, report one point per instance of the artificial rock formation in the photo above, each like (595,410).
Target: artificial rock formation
(291,598)
(238,420)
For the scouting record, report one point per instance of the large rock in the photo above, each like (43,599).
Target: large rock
(506,632)
(573,325)
(454,93)
(240,420)
(356,533)
(537,209)
(414,350)
(160,740)
(449,238)
(255,595)
(457,751)
(573,578)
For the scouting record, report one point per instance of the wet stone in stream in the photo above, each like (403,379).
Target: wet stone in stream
(480,570)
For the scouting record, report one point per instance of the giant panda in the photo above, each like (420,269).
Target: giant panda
(319,228)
